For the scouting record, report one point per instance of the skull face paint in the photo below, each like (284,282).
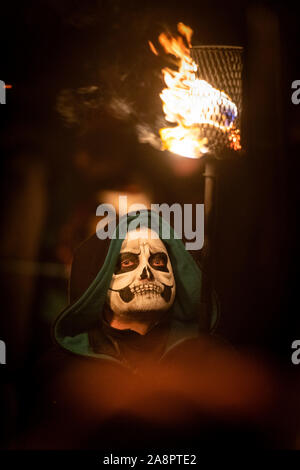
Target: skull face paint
(143,281)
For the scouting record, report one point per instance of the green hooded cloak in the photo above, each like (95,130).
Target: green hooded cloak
(71,329)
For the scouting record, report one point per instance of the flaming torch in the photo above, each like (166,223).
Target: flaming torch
(202,101)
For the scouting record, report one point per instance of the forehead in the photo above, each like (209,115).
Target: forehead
(136,239)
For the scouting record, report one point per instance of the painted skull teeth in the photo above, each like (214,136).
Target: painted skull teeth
(146,288)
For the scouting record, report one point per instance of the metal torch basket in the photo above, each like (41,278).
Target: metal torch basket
(221,67)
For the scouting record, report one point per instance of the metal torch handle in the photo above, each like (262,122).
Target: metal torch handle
(209,231)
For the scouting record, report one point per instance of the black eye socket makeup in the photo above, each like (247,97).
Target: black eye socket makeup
(129,261)
(126,262)
(159,261)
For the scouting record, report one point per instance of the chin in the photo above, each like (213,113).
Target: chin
(147,305)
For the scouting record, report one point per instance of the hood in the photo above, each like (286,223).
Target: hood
(71,328)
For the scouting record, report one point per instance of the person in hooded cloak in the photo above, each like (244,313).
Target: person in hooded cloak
(143,300)
(136,361)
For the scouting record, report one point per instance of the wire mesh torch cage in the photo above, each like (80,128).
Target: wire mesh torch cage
(221,67)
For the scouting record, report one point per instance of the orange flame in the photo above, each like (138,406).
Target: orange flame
(152,48)
(189,102)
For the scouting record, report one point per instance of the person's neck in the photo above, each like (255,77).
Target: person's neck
(124,324)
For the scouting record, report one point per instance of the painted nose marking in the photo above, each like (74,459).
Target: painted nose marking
(147,274)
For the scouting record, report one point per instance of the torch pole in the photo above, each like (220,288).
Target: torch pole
(210,176)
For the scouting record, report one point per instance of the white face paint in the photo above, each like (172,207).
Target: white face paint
(143,280)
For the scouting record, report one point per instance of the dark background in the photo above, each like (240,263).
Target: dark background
(53,168)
